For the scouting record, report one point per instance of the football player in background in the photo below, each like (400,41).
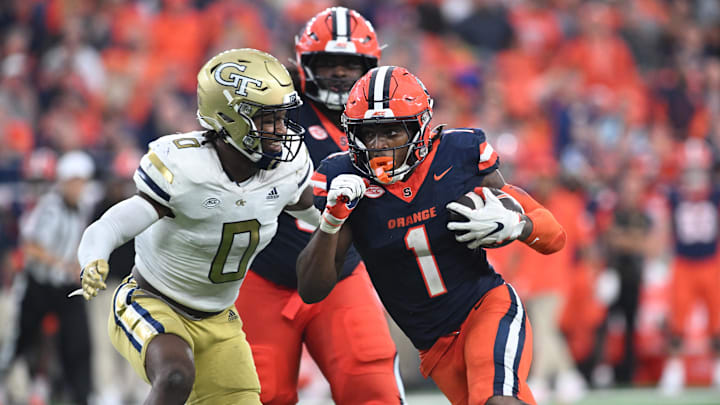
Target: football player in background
(470,327)
(695,273)
(346,334)
(207,203)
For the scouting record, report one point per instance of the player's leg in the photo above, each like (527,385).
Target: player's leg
(152,338)
(444,362)
(28,314)
(166,348)
(74,342)
(708,283)
(350,341)
(270,319)
(711,300)
(223,360)
(170,368)
(682,297)
(496,340)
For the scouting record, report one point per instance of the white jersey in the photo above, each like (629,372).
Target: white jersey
(199,257)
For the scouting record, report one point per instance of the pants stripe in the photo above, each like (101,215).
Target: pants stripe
(398,379)
(509,343)
(135,321)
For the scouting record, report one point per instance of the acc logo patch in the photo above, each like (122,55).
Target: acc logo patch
(211,202)
(374,191)
(318,132)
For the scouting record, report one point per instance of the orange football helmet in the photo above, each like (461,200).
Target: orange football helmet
(388,95)
(334,31)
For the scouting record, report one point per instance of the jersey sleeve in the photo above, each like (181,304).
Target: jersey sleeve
(320,186)
(157,175)
(488,159)
(470,145)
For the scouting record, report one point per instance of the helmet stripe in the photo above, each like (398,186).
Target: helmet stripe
(386,87)
(379,87)
(341,22)
(371,88)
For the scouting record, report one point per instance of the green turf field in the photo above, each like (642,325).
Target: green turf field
(626,396)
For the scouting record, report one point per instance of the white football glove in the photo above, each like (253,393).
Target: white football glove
(343,196)
(489,224)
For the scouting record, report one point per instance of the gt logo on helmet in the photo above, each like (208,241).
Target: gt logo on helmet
(240,82)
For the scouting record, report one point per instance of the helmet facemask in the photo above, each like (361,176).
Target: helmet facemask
(280,128)
(334,32)
(247,97)
(387,165)
(328,90)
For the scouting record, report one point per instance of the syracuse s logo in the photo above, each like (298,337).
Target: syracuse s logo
(238,81)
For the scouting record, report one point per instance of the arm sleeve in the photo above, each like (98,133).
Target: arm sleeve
(547,236)
(310,215)
(120,223)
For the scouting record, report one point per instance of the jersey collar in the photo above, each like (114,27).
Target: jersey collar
(407,190)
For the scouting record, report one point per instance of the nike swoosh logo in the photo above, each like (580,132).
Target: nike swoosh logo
(497,229)
(438,177)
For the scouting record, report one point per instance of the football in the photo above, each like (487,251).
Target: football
(474,201)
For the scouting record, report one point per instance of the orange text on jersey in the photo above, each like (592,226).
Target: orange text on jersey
(412,219)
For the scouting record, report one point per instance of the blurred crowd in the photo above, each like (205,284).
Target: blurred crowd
(602,109)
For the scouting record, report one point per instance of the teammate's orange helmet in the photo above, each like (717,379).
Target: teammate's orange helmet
(388,95)
(334,31)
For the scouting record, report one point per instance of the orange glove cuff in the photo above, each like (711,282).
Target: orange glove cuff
(547,236)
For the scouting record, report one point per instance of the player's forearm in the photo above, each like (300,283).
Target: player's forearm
(316,268)
(542,231)
(120,223)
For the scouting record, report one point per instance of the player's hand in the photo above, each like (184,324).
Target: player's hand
(93,278)
(488,225)
(343,196)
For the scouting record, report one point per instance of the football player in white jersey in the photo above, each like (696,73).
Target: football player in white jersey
(207,203)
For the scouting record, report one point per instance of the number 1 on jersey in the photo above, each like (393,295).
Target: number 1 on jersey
(416,239)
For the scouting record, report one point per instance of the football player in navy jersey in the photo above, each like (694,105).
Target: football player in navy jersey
(695,269)
(390,196)
(347,334)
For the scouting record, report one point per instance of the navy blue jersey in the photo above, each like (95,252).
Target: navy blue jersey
(277,261)
(427,281)
(695,225)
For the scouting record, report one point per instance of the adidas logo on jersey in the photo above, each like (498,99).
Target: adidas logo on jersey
(232,316)
(273,194)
